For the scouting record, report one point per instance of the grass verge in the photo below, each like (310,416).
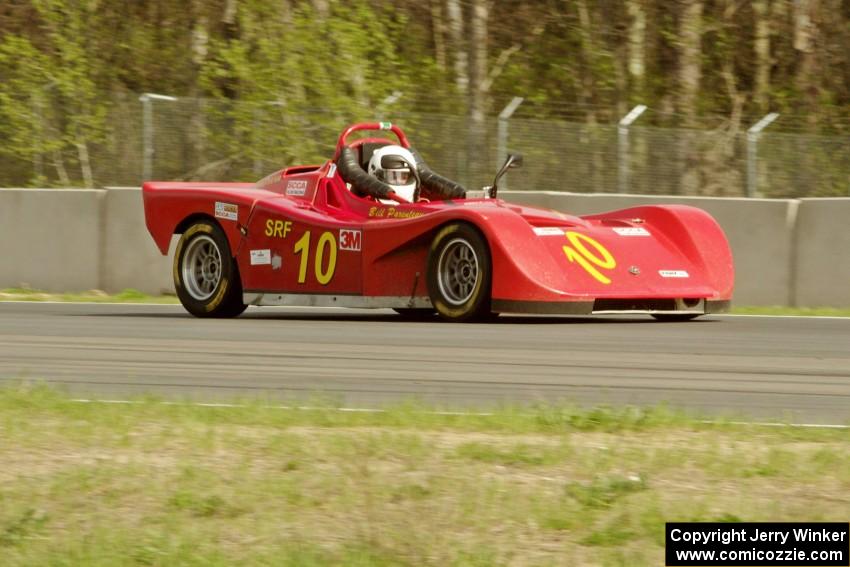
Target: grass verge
(91,296)
(156,484)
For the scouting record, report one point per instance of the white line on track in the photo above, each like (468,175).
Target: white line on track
(458,413)
(300,408)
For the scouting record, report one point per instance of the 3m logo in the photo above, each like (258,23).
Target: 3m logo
(349,240)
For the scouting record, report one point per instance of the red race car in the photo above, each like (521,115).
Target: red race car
(344,234)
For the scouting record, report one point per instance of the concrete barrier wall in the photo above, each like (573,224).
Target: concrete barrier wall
(822,253)
(50,239)
(760,233)
(130,258)
(787,252)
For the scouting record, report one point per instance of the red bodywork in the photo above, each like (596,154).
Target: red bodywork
(638,259)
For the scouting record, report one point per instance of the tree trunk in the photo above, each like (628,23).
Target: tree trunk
(690,56)
(438,30)
(588,52)
(61,172)
(85,162)
(805,40)
(195,153)
(637,48)
(478,89)
(690,74)
(761,46)
(323,8)
(590,137)
(229,16)
(454,13)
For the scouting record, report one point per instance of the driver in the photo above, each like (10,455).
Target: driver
(396,167)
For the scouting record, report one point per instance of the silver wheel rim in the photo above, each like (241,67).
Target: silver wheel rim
(201,267)
(458,271)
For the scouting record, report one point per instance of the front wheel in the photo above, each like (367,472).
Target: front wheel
(206,276)
(460,273)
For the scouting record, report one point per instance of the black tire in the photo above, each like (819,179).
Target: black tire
(206,276)
(460,273)
(672,318)
(415,313)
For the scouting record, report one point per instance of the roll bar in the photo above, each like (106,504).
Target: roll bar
(379,126)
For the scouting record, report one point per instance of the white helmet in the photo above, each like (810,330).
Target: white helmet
(396,167)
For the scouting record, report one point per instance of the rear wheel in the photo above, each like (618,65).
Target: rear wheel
(670,317)
(206,276)
(460,273)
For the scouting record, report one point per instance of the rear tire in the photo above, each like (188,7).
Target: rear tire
(460,273)
(206,276)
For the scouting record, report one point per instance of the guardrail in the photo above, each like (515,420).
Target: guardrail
(793,252)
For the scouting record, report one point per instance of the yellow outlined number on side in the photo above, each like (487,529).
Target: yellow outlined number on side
(327,245)
(587,259)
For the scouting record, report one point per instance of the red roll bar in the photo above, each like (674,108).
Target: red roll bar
(385,126)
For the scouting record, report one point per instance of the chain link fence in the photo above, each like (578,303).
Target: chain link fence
(166,138)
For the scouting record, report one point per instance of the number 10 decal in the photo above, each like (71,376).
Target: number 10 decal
(302,247)
(588,260)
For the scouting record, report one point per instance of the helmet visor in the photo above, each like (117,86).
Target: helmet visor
(397,176)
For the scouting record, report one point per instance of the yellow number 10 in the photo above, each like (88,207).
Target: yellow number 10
(302,247)
(579,254)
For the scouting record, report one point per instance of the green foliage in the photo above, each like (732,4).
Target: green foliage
(23,71)
(271,82)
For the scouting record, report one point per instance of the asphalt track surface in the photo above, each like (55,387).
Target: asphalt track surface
(791,369)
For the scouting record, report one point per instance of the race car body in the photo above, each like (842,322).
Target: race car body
(304,236)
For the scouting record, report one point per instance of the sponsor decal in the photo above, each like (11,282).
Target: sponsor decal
(227,211)
(548,231)
(331,171)
(674,274)
(631,231)
(261,257)
(296,187)
(393,213)
(278,228)
(349,240)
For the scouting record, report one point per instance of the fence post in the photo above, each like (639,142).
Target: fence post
(753,135)
(502,143)
(148,131)
(623,145)
(388,102)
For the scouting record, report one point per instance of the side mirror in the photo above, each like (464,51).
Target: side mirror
(514,161)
